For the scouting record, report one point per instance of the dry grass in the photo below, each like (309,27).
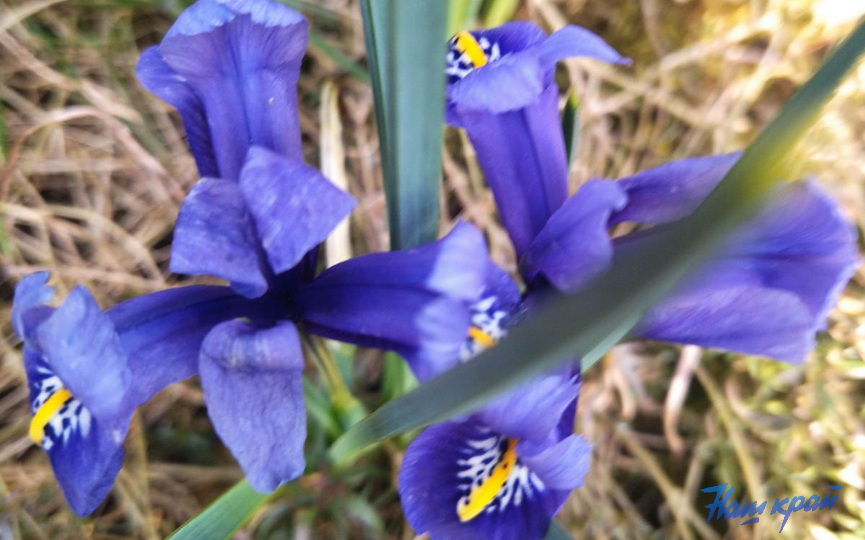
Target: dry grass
(93,169)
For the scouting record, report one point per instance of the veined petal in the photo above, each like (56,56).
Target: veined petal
(563,465)
(216,235)
(522,154)
(772,284)
(743,319)
(415,302)
(443,464)
(80,345)
(162,332)
(241,58)
(159,78)
(86,451)
(293,206)
(532,410)
(254,394)
(574,246)
(673,190)
(501,86)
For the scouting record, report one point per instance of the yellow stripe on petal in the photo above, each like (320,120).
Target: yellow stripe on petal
(481,496)
(46,412)
(468,45)
(480,337)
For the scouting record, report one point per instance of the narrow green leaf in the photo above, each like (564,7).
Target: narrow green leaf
(556,532)
(408,82)
(571,126)
(317,40)
(224,516)
(586,324)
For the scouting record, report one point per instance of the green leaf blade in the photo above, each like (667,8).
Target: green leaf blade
(224,516)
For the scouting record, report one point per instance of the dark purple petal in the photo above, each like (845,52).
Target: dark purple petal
(30,292)
(512,37)
(563,465)
(800,243)
(80,345)
(162,332)
(438,469)
(532,410)
(772,285)
(575,246)
(572,41)
(254,394)
(293,206)
(745,319)
(163,81)
(523,157)
(673,190)
(215,234)
(506,85)
(242,60)
(86,452)
(415,302)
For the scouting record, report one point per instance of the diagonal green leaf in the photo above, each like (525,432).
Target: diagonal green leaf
(224,516)
(556,532)
(571,126)
(586,324)
(406,60)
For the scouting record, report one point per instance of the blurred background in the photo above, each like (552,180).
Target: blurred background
(93,170)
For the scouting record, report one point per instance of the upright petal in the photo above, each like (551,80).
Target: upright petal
(253,389)
(771,286)
(159,78)
(522,154)
(575,245)
(215,234)
(293,206)
(241,58)
(447,462)
(415,302)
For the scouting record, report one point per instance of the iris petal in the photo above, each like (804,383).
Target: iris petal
(673,190)
(241,59)
(524,162)
(772,285)
(415,302)
(215,234)
(293,206)
(254,394)
(575,246)
(163,81)
(162,332)
(439,468)
(81,346)
(533,409)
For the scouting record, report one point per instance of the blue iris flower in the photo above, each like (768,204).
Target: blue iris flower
(504,471)
(255,220)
